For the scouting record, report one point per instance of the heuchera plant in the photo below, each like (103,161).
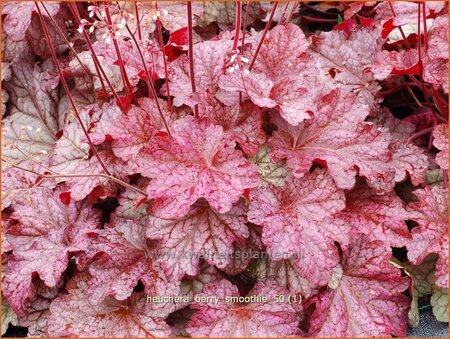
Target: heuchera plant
(211,154)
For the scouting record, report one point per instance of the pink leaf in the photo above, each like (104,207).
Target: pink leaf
(198,161)
(18,17)
(126,258)
(431,213)
(35,35)
(346,59)
(364,299)
(290,96)
(280,74)
(405,12)
(202,233)
(408,158)
(78,168)
(176,17)
(37,310)
(287,274)
(131,58)
(131,206)
(437,39)
(73,315)
(254,319)
(129,133)
(281,52)
(30,129)
(434,73)
(244,123)
(294,220)
(16,183)
(396,63)
(210,57)
(36,318)
(86,175)
(47,235)
(339,138)
(440,141)
(378,217)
